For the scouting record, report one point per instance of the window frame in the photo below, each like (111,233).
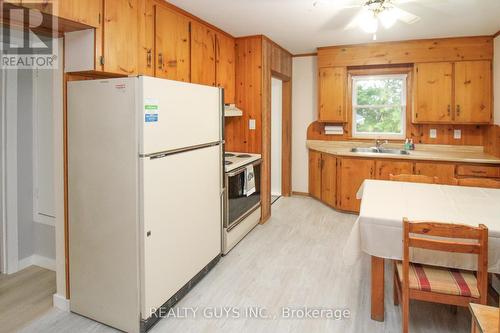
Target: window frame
(404,106)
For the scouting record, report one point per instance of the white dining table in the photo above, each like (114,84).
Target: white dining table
(378,230)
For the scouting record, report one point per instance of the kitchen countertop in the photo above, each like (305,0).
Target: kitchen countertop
(445,153)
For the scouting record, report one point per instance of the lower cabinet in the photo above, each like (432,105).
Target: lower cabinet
(335,180)
(383,169)
(323,177)
(328,179)
(352,172)
(444,171)
(315,174)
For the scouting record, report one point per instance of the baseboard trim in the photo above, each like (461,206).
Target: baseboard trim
(303,194)
(37,260)
(60,302)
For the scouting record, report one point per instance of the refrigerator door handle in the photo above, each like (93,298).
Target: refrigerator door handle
(178,151)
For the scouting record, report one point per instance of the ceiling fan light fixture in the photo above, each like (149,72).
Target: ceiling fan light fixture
(369,23)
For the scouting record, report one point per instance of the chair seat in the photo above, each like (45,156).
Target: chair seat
(441,280)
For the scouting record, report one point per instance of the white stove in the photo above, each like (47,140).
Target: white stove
(234,161)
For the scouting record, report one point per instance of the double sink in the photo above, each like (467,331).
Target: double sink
(375,150)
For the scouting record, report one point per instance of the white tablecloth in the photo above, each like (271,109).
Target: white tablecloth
(378,230)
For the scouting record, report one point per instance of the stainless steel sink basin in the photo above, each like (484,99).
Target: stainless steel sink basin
(374,150)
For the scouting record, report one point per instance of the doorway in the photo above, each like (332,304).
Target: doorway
(30,102)
(276,138)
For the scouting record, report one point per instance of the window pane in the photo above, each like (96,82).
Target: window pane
(386,120)
(384,91)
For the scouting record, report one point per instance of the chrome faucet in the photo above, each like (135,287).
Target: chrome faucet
(380,143)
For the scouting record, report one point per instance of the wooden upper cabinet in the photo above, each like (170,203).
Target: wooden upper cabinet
(87,12)
(332,94)
(384,168)
(352,174)
(172,45)
(203,45)
(146,37)
(120,36)
(433,93)
(315,174)
(473,91)
(328,179)
(445,172)
(225,66)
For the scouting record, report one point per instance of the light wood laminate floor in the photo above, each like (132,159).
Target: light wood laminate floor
(24,296)
(294,260)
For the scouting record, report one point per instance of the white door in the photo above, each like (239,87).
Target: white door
(177,115)
(276,135)
(182,221)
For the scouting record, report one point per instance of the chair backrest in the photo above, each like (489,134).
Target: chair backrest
(443,235)
(414,178)
(479,182)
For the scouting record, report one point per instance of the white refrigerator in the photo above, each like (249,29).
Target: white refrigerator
(145,187)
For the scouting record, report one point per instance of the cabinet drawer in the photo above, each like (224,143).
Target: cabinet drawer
(478,171)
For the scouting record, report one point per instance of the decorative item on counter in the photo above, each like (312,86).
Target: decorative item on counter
(407,144)
(412,145)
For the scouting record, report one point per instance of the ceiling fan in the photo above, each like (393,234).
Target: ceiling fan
(374,13)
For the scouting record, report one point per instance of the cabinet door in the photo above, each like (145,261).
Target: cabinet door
(202,54)
(315,174)
(120,36)
(445,172)
(385,168)
(433,93)
(352,173)
(332,94)
(473,92)
(146,37)
(225,60)
(328,179)
(86,12)
(172,45)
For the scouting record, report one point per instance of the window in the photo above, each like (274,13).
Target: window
(379,106)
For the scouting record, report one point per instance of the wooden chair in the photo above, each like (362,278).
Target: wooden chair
(479,182)
(414,179)
(436,284)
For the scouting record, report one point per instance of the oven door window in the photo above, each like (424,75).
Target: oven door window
(239,203)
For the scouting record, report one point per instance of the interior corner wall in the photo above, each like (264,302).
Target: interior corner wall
(304,106)
(496,79)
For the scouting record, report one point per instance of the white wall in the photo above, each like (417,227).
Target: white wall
(496,80)
(304,112)
(276,135)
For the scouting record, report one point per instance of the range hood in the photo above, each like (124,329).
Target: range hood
(230,110)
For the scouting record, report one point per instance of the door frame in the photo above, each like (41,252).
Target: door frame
(286,134)
(9,243)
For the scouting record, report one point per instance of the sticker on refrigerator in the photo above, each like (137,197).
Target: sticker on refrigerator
(151,118)
(151,109)
(151,105)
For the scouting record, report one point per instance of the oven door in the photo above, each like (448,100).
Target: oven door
(238,204)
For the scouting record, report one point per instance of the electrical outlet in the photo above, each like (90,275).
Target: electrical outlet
(457,134)
(433,133)
(252,124)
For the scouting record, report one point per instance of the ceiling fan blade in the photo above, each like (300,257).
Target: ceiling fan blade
(405,16)
(423,2)
(354,23)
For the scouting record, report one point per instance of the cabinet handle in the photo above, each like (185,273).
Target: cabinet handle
(340,110)
(160,61)
(458,110)
(449,110)
(149,58)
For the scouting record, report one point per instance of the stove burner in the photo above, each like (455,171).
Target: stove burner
(243,156)
(228,162)
(228,155)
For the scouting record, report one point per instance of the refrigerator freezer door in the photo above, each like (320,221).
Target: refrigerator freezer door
(175,115)
(181,226)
